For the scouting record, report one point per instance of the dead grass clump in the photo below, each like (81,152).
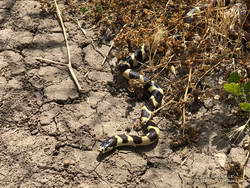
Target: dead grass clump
(216,35)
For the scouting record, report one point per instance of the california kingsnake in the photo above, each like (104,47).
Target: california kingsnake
(155,100)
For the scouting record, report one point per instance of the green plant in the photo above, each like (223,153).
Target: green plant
(83,10)
(99,8)
(241,91)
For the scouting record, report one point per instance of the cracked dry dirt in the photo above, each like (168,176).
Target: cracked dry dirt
(50,133)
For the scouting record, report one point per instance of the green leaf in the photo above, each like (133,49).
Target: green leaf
(234,77)
(246,87)
(245,106)
(99,8)
(83,9)
(234,89)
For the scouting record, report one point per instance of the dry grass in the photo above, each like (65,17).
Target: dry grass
(216,36)
(237,132)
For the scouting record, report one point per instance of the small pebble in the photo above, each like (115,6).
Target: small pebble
(34,132)
(217,97)
(66,163)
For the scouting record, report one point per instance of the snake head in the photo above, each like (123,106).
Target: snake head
(108,145)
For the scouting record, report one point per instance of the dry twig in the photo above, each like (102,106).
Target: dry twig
(85,34)
(170,58)
(209,70)
(185,98)
(68,51)
(111,46)
(105,57)
(48,61)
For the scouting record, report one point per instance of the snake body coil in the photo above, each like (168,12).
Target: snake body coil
(155,100)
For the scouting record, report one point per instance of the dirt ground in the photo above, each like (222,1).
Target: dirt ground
(49,133)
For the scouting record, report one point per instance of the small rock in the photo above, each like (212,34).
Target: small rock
(119,129)
(217,97)
(51,129)
(34,132)
(208,103)
(221,159)
(238,155)
(67,162)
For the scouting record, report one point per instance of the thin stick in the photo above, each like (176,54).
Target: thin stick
(185,98)
(206,74)
(85,34)
(83,30)
(50,61)
(163,106)
(64,32)
(170,58)
(67,46)
(105,57)
(166,5)
(112,44)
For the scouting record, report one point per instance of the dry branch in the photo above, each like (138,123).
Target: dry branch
(185,98)
(111,46)
(85,34)
(48,61)
(68,51)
